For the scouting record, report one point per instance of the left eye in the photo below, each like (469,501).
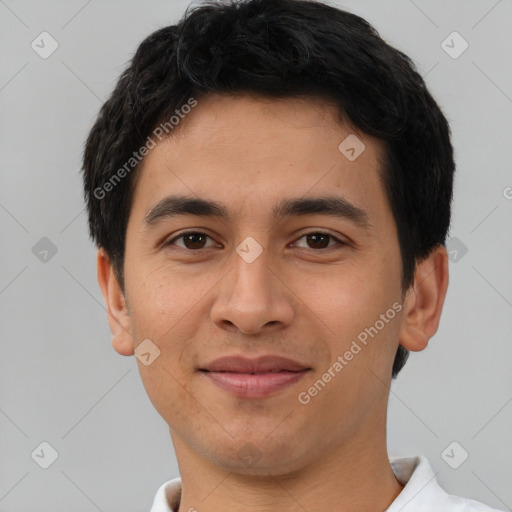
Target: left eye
(319,239)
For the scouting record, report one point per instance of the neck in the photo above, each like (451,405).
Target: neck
(354,474)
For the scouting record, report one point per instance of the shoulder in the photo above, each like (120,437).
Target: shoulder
(422,492)
(168,496)
(459,504)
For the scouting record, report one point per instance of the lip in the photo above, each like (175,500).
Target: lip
(240,364)
(254,378)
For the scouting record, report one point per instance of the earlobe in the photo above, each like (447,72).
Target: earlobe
(424,301)
(413,338)
(118,315)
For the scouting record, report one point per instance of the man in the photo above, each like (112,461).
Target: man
(269,186)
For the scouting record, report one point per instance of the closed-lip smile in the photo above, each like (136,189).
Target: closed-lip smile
(254,378)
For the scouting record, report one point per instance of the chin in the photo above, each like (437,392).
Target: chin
(259,456)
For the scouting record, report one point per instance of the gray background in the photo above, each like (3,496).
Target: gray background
(61,381)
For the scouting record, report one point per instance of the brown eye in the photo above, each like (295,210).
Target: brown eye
(320,240)
(192,240)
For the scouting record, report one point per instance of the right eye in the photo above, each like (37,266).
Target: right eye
(191,240)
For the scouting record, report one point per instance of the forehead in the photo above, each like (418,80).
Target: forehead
(245,150)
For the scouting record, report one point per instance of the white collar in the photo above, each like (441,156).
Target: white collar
(421,493)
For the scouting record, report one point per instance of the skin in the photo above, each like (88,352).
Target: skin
(297,300)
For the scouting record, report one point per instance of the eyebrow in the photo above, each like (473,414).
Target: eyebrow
(334,206)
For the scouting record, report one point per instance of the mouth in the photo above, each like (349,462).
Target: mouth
(254,378)
(255,385)
(262,364)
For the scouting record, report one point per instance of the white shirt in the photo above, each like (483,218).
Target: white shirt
(421,493)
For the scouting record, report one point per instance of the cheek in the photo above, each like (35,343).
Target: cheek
(162,298)
(348,296)
(359,306)
(163,312)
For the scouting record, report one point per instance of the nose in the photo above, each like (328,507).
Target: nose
(252,297)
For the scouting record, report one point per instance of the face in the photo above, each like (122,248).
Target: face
(308,285)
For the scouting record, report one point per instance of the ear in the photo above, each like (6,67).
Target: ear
(424,300)
(118,315)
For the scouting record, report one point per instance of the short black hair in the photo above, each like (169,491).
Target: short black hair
(278,49)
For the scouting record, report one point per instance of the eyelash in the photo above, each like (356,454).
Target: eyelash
(182,235)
